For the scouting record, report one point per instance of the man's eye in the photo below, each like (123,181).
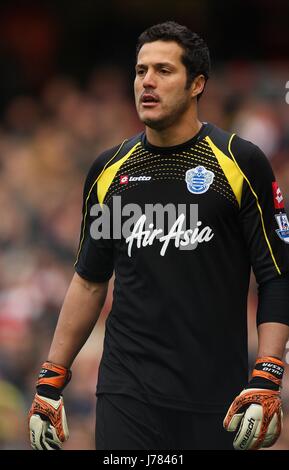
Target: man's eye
(165,71)
(140,72)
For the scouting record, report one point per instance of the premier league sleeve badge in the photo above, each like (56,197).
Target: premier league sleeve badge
(283,231)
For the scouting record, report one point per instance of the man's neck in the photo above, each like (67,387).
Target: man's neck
(172,136)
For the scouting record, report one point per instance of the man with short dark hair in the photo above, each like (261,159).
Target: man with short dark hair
(205,208)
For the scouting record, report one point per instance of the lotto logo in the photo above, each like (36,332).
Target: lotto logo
(277,196)
(123,179)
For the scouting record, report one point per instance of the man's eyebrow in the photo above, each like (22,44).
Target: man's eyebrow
(157,64)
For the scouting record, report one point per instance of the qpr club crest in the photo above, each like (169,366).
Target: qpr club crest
(199,179)
(283,231)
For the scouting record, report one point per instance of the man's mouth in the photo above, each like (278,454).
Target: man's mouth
(149,100)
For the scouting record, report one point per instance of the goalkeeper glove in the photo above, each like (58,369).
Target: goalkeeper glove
(257,410)
(47,420)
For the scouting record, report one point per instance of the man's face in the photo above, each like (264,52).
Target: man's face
(160,84)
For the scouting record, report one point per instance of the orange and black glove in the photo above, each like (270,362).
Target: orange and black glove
(47,420)
(256,412)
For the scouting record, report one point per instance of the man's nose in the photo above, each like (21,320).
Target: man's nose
(149,80)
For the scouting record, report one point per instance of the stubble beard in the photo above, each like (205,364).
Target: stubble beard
(168,119)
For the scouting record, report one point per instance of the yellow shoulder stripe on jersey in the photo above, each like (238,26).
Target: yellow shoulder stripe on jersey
(233,175)
(258,205)
(88,196)
(106,177)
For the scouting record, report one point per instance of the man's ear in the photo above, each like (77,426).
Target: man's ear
(197,85)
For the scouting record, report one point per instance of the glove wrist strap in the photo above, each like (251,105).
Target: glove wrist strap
(267,373)
(52,379)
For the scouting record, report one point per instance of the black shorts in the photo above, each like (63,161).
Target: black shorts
(124,423)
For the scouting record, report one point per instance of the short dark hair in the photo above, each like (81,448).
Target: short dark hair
(196,56)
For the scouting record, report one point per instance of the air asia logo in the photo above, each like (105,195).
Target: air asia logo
(283,231)
(142,226)
(124,179)
(199,179)
(177,234)
(277,196)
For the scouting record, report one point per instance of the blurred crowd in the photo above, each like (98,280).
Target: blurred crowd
(47,144)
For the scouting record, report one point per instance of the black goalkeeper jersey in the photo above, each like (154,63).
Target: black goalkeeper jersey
(177,332)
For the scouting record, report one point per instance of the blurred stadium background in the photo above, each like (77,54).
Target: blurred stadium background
(66,95)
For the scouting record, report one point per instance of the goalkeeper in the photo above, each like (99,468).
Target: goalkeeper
(174,370)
